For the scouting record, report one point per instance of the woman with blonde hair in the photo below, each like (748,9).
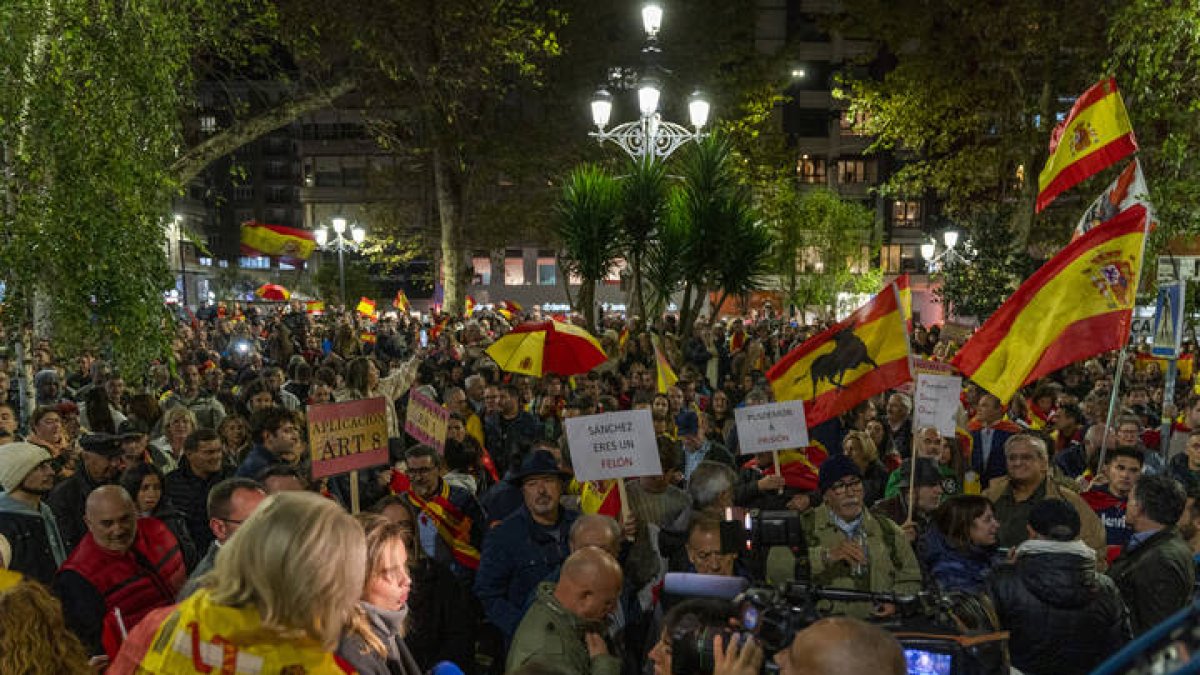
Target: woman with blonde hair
(859,447)
(178,422)
(283,589)
(374,640)
(33,636)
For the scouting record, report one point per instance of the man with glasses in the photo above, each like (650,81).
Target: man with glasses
(230,503)
(450,522)
(851,548)
(1029,482)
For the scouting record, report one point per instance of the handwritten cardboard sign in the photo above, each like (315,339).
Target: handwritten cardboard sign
(347,436)
(613,445)
(771,426)
(426,420)
(936,402)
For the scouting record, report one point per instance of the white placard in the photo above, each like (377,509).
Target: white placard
(771,426)
(936,402)
(613,445)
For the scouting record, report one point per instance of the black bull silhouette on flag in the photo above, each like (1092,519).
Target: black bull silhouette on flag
(849,352)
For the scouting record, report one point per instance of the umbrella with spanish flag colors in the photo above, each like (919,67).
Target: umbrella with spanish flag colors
(547,347)
(273,292)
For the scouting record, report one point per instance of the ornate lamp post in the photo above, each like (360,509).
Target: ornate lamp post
(340,243)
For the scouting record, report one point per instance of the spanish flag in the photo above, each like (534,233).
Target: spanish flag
(400,302)
(666,375)
(905,289)
(603,497)
(277,240)
(314,307)
(453,526)
(863,355)
(366,307)
(623,337)
(1096,134)
(1077,305)
(469,307)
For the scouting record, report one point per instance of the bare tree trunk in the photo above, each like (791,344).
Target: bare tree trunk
(448,192)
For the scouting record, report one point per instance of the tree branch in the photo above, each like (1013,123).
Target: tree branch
(196,158)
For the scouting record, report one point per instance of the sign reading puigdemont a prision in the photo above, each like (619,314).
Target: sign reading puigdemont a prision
(613,445)
(771,426)
(347,436)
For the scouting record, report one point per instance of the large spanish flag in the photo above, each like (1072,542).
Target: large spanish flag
(1093,137)
(277,240)
(1077,305)
(864,355)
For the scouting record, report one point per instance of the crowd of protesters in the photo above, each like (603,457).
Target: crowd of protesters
(122,500)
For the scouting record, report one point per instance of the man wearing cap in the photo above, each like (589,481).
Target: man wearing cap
(525,547)
(1064,617)
(928,498)
(100,464)
(135,440)
(28,529)
(851,548)
(124,563)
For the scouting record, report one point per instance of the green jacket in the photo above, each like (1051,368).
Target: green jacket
(893,566)
(550,635)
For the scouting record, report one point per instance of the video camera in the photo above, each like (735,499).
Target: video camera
(941,633)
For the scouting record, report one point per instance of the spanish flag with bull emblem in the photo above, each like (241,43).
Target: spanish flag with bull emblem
(863,355)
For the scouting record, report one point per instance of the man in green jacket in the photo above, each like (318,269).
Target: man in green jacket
(564,628)
(851,548)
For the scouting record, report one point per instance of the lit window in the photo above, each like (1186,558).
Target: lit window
(483,270)
(208,124)
(852,123)
(811,169)
(614,272)
(906,213)
(204,261)
(514,268)
(254,262)
(851,171)
(547,268)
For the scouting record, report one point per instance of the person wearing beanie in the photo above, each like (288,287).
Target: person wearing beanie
(1064,616)
(47,386)
(27,526)
(851,548)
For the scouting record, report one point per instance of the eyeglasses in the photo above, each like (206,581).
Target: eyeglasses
(846,485)
(420,469)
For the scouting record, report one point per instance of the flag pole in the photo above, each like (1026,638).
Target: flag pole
(1116,390)
(912,414)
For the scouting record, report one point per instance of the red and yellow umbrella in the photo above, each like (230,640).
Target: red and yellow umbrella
(547,347)
(273,292)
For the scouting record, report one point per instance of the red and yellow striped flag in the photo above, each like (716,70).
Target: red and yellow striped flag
(666,375)
(469,307)
(366,307)
(603,497)
(400,302)
(278,240)
(1077,305)
(863,355)
(1096,134)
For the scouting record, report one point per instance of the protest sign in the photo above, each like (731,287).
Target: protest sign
(347,436)
(936,402)
(771,426)
(613,445)
(426,420)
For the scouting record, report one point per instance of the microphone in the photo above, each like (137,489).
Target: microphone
(446,668)
(704,585)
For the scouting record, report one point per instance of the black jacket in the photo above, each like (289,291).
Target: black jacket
(1064,617)
(189,494)
(1155,578)
(443,619)
(67,500)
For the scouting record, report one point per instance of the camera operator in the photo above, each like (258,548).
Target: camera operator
(841,646)
(696,640)
(851,548)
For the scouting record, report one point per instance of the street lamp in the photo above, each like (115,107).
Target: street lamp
(649,136)
(182,262)
(932,257)
(340,243)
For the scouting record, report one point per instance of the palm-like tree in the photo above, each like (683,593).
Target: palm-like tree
(587,224)
(644,194)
